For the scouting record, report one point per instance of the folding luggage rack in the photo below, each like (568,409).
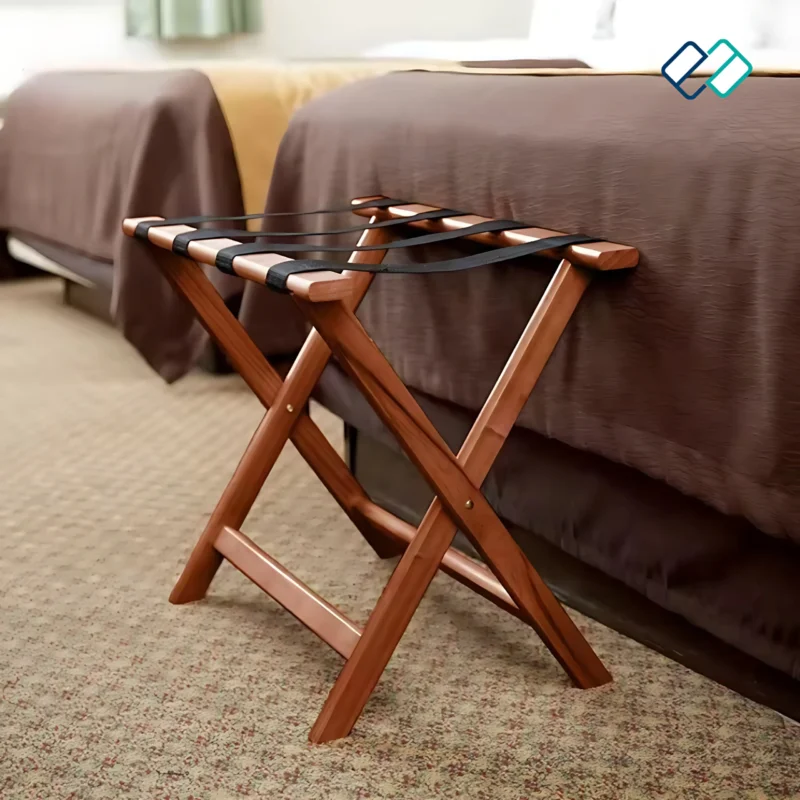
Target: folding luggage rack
(328,298)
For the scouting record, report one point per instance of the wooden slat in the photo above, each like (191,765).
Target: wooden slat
(316,613)
(313,286)
(596,255)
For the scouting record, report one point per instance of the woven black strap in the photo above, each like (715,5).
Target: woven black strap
(278,275)
(180,245)
(225,257)
(143,227)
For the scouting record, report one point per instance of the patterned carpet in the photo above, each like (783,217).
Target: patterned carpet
(106,476)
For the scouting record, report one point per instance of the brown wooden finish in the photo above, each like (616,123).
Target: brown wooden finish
(462,568)
(596,255)
(393,482)
(465,503)
(327,286)
(313,611)
(313,286)
(270,437)
(329,300)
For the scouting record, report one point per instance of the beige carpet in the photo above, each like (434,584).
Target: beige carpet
(106,476)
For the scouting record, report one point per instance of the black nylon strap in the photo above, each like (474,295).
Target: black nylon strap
(180,244)
(279,274)
(225,257)
(143,227)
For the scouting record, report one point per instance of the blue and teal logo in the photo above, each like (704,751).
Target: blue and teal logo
(727,65)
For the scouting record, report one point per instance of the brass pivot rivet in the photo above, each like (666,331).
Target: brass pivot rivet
(289,407)
(469,504)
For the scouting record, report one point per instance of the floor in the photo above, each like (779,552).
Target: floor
(108,691)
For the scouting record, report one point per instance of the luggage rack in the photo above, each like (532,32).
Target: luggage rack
(328,298)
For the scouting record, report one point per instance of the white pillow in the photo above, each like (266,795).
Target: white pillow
(665,25)
(482,50)
(560,23)
(780,23)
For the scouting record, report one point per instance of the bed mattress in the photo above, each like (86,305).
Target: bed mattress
(81,150)
(684,369)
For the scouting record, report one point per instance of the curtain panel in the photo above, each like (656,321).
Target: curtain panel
(191,19)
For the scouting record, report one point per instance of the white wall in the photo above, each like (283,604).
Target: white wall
(41,34)
(341,28)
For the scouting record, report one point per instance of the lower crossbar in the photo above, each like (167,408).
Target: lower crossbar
(313,611)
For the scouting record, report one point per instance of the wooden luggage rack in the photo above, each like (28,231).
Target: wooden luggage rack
(329,299)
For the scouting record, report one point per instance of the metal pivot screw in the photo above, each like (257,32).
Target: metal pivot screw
(289,407)
(469,504)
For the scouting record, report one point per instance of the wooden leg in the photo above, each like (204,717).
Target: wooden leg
(455,481)
(285,417)
(231,510)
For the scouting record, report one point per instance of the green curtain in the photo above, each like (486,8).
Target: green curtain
(191,19)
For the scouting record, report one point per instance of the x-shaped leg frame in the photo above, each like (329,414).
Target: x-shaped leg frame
(510,580)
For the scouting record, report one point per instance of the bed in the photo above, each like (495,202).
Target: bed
(81,150)
(661,445)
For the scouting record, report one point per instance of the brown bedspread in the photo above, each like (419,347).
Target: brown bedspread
(686,369)
(81,151)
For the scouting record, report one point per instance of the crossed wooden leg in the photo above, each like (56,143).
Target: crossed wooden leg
(459,501)
(284,418)
(456,481)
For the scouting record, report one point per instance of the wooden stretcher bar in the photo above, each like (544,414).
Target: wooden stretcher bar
(313,611)
(329,300)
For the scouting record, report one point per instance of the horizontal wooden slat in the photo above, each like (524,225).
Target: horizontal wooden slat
(313,611)
(597,255)
(313,286)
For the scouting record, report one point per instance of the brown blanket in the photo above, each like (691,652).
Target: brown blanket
(81,151)
(685,369)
